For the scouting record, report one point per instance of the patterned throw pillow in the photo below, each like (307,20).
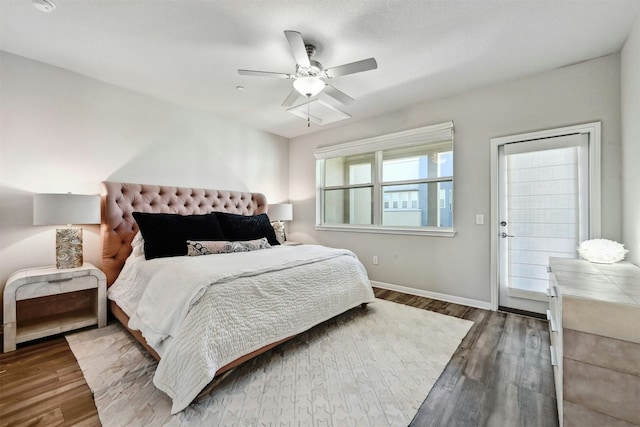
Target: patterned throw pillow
(196,248)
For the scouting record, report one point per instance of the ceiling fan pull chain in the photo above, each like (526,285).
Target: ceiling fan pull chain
(308,111)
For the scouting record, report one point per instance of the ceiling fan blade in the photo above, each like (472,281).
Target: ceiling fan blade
(338,95)
(354,67)
(265,74)
(291,99)
(297,48)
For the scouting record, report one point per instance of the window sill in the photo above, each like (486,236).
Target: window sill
(389,230)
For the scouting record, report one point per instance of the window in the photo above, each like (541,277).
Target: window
(401,182)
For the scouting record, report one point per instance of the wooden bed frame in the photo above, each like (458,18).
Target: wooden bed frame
(118,229)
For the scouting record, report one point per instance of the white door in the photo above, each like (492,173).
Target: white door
(542,210)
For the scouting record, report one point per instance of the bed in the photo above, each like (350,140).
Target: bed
(201,316)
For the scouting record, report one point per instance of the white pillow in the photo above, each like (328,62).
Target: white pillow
(138,244)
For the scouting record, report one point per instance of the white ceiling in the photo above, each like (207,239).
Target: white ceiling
(188,51)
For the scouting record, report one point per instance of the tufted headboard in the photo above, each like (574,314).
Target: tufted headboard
(120,199)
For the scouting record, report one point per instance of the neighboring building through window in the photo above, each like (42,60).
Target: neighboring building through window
(399,181)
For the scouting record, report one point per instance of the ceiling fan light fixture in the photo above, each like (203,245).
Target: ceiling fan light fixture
(308,86)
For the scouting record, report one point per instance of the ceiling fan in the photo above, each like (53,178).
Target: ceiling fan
(309,77)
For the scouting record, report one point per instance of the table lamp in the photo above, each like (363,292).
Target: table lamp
(278,213)
(60,209)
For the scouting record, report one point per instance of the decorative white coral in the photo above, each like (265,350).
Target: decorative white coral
(602,251)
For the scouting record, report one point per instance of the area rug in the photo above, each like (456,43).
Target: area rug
(366,367)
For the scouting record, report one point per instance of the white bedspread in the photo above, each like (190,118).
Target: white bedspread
(217,308)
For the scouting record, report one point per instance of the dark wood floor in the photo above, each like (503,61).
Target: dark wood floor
(41,385)
(499,376)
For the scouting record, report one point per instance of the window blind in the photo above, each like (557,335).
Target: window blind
(425,135)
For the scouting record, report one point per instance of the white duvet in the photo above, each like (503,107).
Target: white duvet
(200,313)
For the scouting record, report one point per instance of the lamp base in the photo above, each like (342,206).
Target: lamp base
(69,248)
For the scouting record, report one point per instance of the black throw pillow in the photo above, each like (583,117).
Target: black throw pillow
(166,235)
(240,228)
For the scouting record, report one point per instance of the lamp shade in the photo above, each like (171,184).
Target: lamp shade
(308,86)
(59,209)
(280,212)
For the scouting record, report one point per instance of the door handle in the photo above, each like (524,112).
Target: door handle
(505,235)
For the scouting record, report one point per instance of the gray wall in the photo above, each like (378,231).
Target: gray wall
(60,132)
(460,266)
(63,132)
(630,85)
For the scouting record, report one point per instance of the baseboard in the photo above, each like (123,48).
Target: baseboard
(485,305)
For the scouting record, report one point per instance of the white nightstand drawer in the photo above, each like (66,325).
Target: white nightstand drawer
(55,287)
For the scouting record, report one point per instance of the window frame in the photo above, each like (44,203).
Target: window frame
(428,135)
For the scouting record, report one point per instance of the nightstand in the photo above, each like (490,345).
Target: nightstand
(39,302)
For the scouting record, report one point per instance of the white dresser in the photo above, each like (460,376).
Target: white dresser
(594,323)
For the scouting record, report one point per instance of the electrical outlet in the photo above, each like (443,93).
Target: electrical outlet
(375,260)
